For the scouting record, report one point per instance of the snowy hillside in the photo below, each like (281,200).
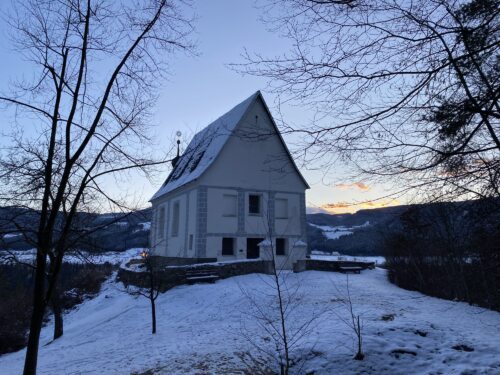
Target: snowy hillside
(80,257)
(202,329)
(332,233)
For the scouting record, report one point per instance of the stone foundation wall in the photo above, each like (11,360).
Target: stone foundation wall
(328,265)
(161,261)
(170,276)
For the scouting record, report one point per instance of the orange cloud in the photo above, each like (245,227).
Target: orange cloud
(355,185)
(333,206)
(345,207)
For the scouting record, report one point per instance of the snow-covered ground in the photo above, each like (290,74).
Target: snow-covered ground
(113,257)
(377,259)
(333,233)
(202,329)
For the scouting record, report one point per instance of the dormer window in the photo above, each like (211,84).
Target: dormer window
(254,204)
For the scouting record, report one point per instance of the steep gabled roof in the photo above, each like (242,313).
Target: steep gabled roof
(207,144)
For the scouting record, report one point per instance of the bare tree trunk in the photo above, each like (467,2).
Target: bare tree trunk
(286,366)
(153,314)
(62,170)
(30,362)
(359,355)
(152,296)
(58,318)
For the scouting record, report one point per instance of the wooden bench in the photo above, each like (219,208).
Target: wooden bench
(200,276)
(345,269)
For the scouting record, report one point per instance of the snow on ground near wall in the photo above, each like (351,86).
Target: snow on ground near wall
(113,257)
(200,330)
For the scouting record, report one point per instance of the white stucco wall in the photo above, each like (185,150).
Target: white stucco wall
(191,225)
(290,225)
(157,242)
(294,251)
(175,245)
(216,221)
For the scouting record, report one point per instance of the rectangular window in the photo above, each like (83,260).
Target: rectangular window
(228,246)
(161,222)
(280,246)
(281,208)
(175,219)
(254,204)
(229,205)
(190,242)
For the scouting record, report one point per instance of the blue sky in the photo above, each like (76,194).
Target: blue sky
(202,88)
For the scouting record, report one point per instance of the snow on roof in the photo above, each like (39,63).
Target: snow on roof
(204,148)
(300,243)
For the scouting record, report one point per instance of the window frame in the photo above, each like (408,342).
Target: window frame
(259,196)
(283,241)
(224,249)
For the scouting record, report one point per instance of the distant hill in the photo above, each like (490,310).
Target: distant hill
(364,232)
(366,228)
(107,232)
(360,233)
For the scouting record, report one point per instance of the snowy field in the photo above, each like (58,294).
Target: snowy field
(333,233)
(81,257)
(202,329)
(379,260)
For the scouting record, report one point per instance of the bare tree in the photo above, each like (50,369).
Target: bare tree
(276,309)
(353,320)
(153,290)
(405,91)
(84,117)
(20,222)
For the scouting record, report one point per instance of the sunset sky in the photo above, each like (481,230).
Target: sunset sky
(203,87)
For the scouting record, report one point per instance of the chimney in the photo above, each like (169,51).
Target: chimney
(176,159)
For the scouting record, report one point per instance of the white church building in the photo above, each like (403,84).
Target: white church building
(235,193)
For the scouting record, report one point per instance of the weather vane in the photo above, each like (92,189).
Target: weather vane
(176,159)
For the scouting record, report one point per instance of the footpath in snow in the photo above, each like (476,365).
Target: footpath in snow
(203,329)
